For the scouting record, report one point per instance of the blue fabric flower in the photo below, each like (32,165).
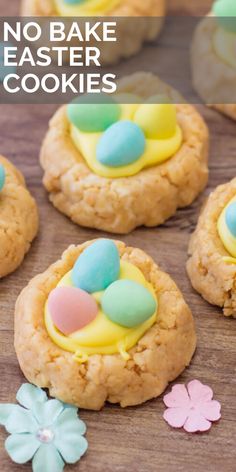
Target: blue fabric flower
(47,431)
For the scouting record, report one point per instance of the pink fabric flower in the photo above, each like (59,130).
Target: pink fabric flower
(191,407)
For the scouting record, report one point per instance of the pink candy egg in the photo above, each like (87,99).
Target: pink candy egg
(71,308)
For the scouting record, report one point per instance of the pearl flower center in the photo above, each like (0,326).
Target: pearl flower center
(45,435)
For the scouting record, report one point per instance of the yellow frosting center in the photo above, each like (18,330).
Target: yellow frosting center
(163,138)
(101,336)
(86,8)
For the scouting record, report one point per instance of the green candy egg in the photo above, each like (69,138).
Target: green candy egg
(93,114)
(128,303)
(225,10)
(2,176)
(73,2)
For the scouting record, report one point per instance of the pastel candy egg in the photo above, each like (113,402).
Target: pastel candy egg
(157,118)
(128,303)
(71,309)
(230,217)
(93,115)
(97,267)
(225,10)
(2,176)
(121,144)
(73,2)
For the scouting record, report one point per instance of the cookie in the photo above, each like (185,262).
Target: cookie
(136,21)
(213,58)
(103,323)
(212,250)
(228,109)
(18,218)
(139,178)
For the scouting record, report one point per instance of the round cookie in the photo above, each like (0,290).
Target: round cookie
(18,218)
(150,196)
(115,372)
(212,264)
(228,109)
(146,25)
(213,58)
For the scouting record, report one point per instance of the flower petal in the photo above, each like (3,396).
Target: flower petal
(46,413)
(47,459)
(68,435)
(176,417)
(178,396)
(21,421)
(21,447)
(67,405)
(196,422)
(198,392)
(5,410)
(72,448)
(28,394)
(211,410)
(69,422)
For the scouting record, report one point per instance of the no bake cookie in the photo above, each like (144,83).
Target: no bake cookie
(117,166)
(213,58)
(212,250)
(18,218)
(136,21)
(103,323)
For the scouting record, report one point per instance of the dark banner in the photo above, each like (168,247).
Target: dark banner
(54,60)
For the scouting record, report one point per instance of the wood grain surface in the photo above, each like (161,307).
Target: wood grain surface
(132,439)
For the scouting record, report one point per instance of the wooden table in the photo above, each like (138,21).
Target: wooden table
(133,439)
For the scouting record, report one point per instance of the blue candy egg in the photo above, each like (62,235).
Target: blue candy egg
(2,176)
(121,144)
(97,267)
(230,218)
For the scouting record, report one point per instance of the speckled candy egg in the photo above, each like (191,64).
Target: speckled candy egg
(97,267)
(74,2)
(121,144)
(128,303)
(71,309)
(230,218)
(157,118)
(225,10)
(93,115)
